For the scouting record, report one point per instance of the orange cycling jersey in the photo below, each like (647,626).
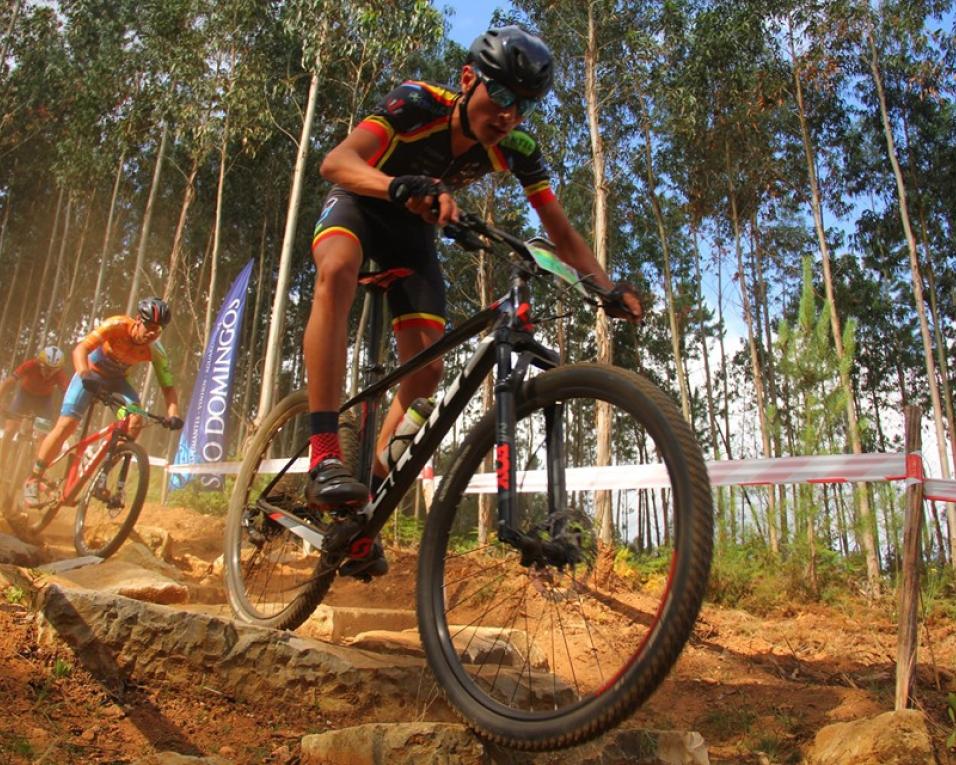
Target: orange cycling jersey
(113,352)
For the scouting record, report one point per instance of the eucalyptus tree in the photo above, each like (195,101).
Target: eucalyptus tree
(893,27)
(816,61)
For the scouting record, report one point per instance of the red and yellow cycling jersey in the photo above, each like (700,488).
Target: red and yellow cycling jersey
(32,380)
(113,352)
(413,128)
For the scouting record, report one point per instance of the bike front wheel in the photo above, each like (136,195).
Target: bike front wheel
(26,522)
(273,577)
(543,651)
(110,505)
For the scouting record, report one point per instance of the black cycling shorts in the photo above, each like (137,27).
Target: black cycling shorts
(393,238)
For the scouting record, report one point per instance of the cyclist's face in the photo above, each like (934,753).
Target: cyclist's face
(145,331)
(489,121)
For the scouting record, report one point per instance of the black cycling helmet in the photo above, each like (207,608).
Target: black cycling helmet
(516,59)
(156,310)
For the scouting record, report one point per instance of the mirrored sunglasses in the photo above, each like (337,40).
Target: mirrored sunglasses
(505,97)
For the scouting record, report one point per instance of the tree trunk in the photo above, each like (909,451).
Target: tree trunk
(665,252)
(104,255)
(46,272)
(78,261)
(64,238)
(754,356)
(917,288)
(253,335)
(217,230)
(147,222)
(603,519)
(11,287)
(867,519)
(277,322)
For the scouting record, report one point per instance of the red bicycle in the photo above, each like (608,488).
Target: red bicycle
(105,475)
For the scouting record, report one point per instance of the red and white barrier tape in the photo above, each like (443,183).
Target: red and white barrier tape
(829,468)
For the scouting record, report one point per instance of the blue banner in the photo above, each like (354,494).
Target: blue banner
(203,438)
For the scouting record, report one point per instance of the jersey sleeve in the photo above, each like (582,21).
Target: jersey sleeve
(523,155)
(410,110)
(98,336)
(24,369)
(160,360)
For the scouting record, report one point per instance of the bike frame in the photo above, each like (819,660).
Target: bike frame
(76,476)
(508,318)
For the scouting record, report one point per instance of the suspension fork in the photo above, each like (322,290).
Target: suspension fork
(505,469)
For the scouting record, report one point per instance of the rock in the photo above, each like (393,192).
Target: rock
(451,744)
(129,580)
(138,554)
(117,640)
(70,564)
(18,552)
(337,623)
(378,744)
(893,738)
(155,538)
(476,645)
(174,758)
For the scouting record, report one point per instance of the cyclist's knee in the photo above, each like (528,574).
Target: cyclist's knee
(135,425)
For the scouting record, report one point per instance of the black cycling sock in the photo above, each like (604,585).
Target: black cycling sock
(324,422)
(375,483)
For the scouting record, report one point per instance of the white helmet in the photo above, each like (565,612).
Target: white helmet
(51,357)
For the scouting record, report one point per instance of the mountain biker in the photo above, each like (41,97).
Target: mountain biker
(102,360)
(422,143)
(34,383)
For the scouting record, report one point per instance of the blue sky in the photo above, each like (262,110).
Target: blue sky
(471,17)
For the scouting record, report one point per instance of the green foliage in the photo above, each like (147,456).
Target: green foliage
(14,594)
(403,530)
(938,584)
(214,503)
(748,577)
(61,669)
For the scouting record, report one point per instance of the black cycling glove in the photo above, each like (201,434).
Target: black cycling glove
(93,384)
(404,187)
(614,305)
(173,423)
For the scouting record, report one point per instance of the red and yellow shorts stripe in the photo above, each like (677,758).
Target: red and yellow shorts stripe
(326,233)
(418,321)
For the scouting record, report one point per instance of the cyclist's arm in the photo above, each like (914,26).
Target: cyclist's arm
(572,248)
(81,358)
(574,251)
(172,401)
(348,165)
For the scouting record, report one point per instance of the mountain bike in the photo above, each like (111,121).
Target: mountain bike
(105,475)
(563,618)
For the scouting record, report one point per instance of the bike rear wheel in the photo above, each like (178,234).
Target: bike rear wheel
(548,654)
(110,505)
(273,578)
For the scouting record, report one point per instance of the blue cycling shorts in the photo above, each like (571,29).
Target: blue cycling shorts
(78,399)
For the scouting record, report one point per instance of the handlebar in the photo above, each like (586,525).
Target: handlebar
(118,402)
(469,228)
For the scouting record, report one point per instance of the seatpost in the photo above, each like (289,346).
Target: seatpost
(373,372)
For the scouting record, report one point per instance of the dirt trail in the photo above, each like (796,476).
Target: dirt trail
(757,689)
